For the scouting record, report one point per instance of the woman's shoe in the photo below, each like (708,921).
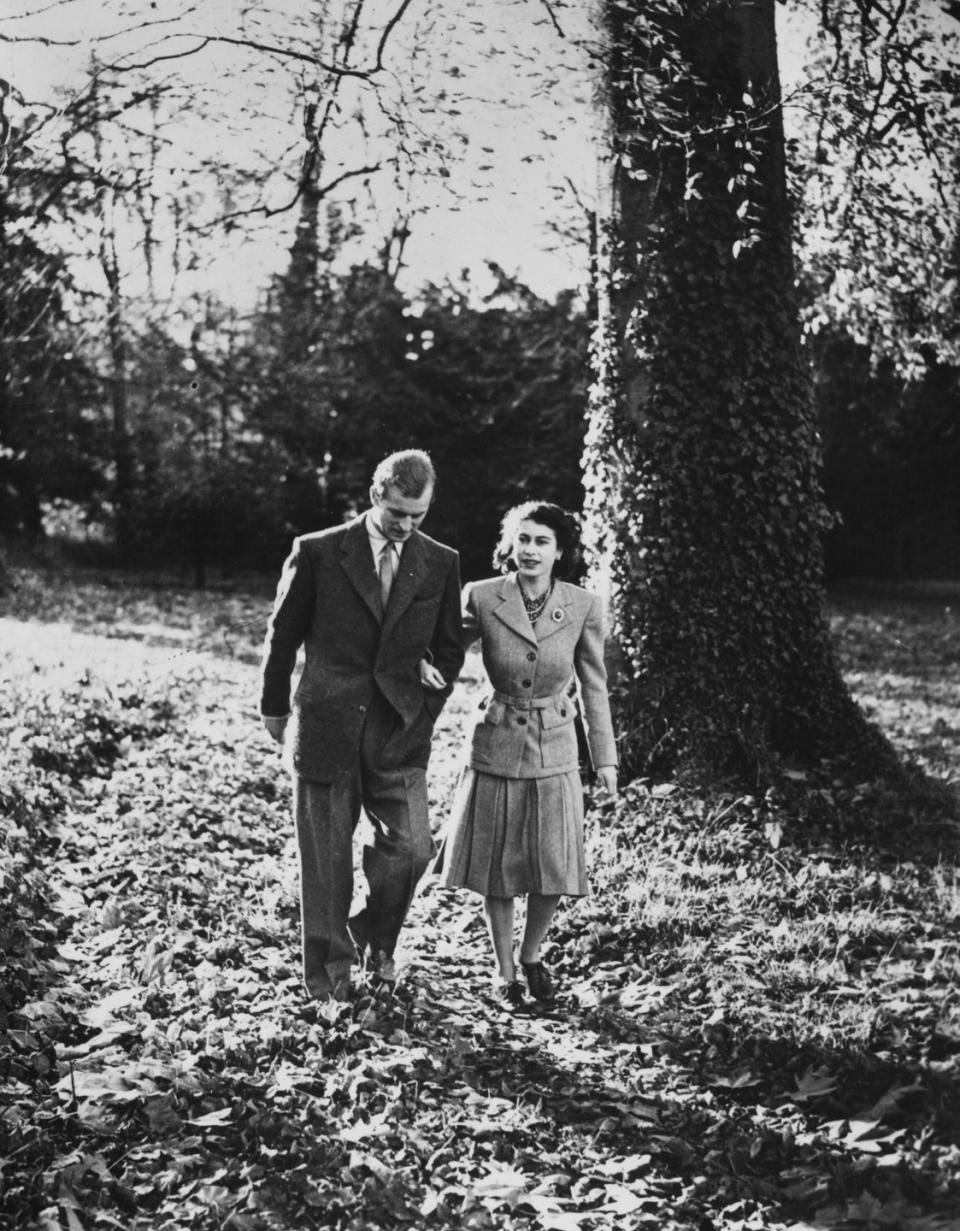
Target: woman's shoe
(509,993)
(539,981)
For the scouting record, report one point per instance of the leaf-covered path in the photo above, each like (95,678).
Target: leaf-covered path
(164,1070)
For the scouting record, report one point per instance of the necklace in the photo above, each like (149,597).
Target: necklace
(535,606)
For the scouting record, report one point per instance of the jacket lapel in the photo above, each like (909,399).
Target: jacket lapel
(358,565)
(413,567)
(512,611)
(557,614)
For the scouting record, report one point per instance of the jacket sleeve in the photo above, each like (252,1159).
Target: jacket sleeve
(592,674)
(446,647)
(286,631)
(470,616)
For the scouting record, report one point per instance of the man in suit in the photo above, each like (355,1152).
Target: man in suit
(367,601)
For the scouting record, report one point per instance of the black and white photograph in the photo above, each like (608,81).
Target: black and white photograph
(479,615)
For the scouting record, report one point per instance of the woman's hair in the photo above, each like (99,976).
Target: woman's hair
(564,525)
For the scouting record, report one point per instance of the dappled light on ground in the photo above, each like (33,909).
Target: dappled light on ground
(759,1026)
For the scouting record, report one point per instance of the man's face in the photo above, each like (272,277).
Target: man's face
(398,515)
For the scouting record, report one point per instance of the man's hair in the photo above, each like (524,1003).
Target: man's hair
(564,525)
(410,471)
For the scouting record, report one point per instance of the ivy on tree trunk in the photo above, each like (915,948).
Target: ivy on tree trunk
(704,510)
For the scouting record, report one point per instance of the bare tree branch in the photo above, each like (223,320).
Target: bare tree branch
(43,40)
(334,69)
(47,41)
(288,53)
(553,17)
(266,211)
(347,39)
(388,30)
(46,8)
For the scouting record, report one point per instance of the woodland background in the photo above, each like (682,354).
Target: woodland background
(217,317)
(214,325)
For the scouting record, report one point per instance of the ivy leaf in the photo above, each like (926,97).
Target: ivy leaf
(360,1158)
(620,1200)
(106,1010)
(212,1119)
(502,1184)
(862,1135)
(110,1087)
(560,1221)
(814,1083)
(889,1102)
(106,1037)
(742,1080)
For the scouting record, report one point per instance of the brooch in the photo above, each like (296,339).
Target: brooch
(557,616)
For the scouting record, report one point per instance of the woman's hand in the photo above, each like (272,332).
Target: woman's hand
(430,677)
(607,774)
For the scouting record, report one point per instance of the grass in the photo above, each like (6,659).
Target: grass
(761,1027)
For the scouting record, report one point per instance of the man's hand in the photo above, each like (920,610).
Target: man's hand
(608,779)
(430,677)
(275,727)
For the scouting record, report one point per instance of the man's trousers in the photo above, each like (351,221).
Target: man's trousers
(326,814)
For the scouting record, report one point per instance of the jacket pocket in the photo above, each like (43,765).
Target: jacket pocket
(558,745)
(556,715)
(486,736)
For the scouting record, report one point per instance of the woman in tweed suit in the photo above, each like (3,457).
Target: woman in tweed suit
(516,826)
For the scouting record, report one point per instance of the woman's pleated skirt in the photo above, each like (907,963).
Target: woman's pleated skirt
(511,836)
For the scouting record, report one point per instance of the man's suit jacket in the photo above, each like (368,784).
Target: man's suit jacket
(526,729)
(328,600)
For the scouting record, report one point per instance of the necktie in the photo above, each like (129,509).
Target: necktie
(387,558)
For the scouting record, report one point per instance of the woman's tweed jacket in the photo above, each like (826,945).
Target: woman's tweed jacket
(526,728)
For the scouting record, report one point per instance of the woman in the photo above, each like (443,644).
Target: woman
(516,826)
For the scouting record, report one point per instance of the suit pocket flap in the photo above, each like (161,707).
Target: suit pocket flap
(556,715)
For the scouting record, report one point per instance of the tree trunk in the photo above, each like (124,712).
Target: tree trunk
(198,548)
(704,514)
(123,455)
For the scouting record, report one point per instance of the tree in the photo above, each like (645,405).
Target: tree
(123,165)
(506,385)
(705,511)
(875,171)
(874,157)
(891,459)
(495,391)
(50,436)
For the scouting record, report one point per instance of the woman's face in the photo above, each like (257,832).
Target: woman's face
(535,551)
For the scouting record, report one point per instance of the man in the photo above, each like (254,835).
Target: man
(367,601)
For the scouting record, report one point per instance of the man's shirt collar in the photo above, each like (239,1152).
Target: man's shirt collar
(378,538)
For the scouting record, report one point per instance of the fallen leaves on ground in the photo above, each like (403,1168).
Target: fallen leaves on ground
(751,1035)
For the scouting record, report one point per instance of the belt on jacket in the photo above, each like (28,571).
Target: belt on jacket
(533,703)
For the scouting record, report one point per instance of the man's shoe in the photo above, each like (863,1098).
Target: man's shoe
(380,966)
(539,981)
(341,989)
(377,964)
(509,994)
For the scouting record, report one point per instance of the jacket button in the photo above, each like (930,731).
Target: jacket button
(526,683)
(531,657)
(521,722)
(362,709)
